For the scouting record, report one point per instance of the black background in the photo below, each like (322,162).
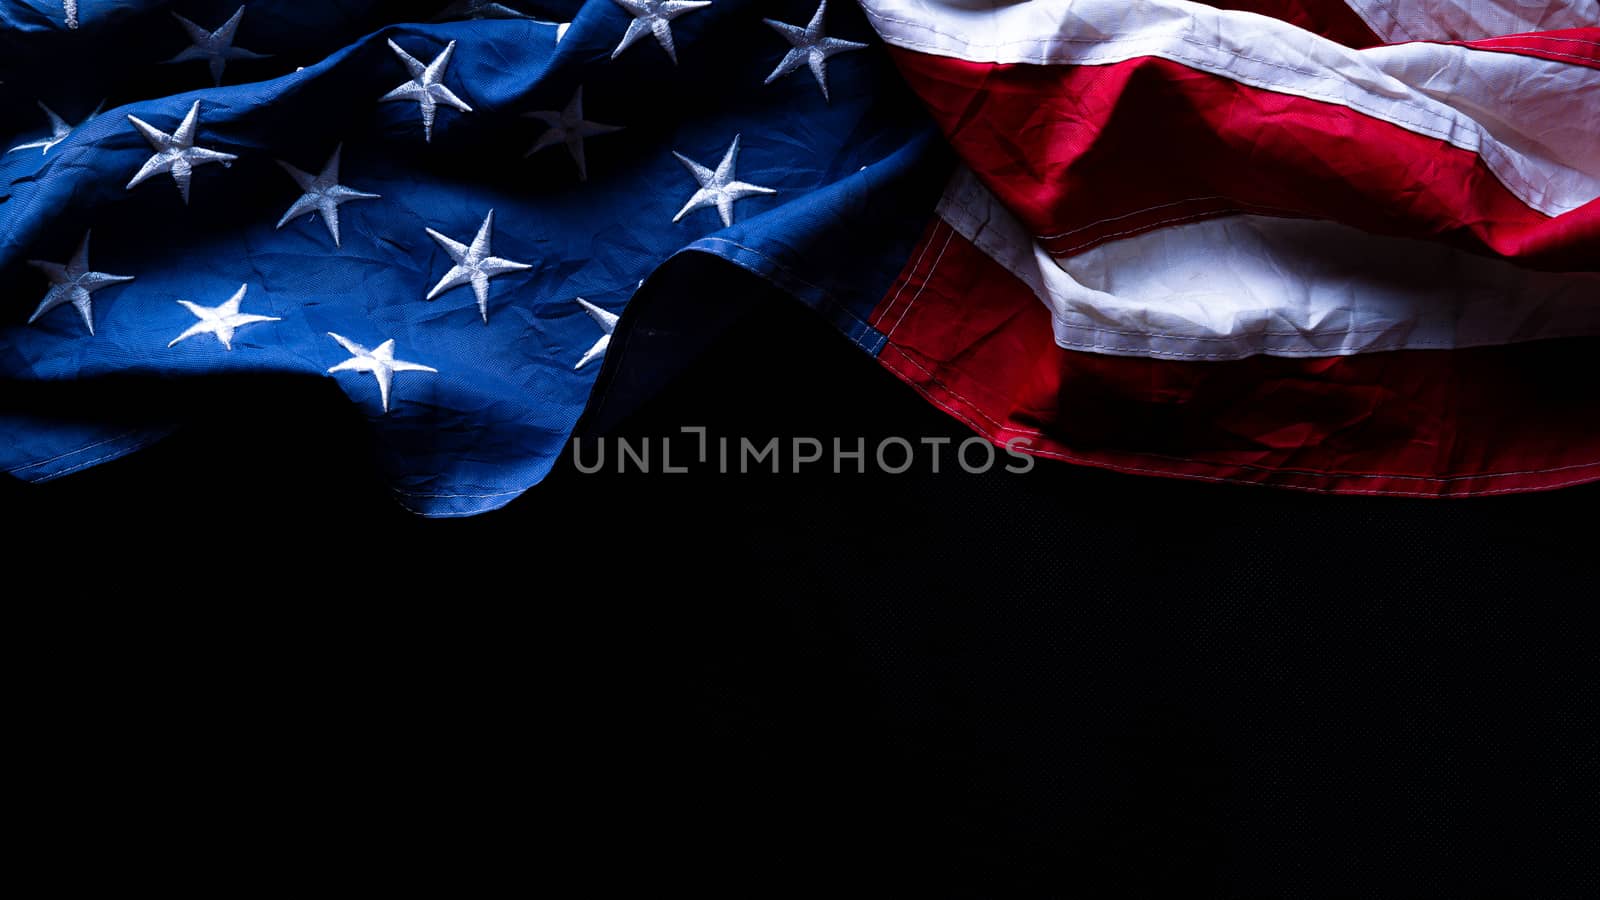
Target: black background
(1069,683)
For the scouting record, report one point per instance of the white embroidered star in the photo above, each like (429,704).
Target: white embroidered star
(74,283)
(59,130)
(809,46)
(176,152)
(323,193)
(221,321)
(473,265)
(215,47)
(719,188)
(608,324)
(569,127)
(71,9)
(378,362)
(654,17)
(426,86)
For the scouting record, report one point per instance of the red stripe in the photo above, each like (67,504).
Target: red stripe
(1579,46)
(974,340)
(1084,154)
(1333,19)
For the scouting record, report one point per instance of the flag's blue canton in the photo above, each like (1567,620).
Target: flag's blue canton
(507,392)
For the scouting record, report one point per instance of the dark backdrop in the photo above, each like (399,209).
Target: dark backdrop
(1066,683)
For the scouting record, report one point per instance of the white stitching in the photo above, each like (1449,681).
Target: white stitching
(1241,208)
(1587,59)
(833,302)
(45,462)
(776,265)
(907,280)
(1062,234)
(926,280)
(1152,226)
(1537,37)
(120,451)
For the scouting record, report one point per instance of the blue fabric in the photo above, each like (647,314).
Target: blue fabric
(856,180)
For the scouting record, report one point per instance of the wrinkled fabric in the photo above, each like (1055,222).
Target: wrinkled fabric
(1196,241)
(508,392)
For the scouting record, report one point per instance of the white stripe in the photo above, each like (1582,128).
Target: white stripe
(1246,285)
(1471,20)
(1532,121)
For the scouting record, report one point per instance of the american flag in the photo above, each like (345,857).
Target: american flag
(1338,246)
(1332,245)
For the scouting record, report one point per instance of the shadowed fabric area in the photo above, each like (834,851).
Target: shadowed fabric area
(1060,683)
